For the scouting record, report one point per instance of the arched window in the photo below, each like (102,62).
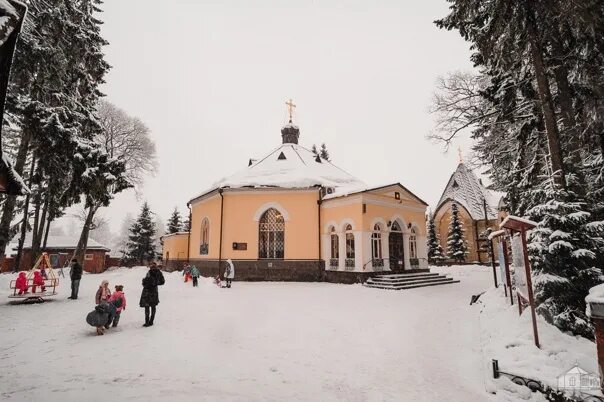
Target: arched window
(413,244)
(205,237)
(335,244)
(271,239)
(376,242)
(395,227)
(350,255)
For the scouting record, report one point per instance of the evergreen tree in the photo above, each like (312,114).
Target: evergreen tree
(141,240)
(563,258)
(435,250)
(186,225)
(324,153)
(314,150)
(174,223)
(535,114)
(456,243)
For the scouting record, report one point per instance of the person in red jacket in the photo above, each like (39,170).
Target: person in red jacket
(118,294)
(38,281)
(21,283)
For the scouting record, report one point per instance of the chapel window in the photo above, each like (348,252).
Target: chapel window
(271,239)
(335,250)
(205,237)
(376,242)
(413,243)
(349,242)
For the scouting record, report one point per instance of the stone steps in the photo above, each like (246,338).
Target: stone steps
(408,281)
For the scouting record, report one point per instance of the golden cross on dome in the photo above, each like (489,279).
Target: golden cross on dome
(290,109)
(459,153)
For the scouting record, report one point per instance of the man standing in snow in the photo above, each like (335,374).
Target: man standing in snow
(75,273)
(229,273)
(195,275)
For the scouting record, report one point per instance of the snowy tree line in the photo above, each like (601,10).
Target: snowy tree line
(535,111)
(69,145)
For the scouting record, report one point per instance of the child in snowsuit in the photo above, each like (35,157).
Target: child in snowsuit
(103,294)
(21,283)
(187,273)
(229,273)
(38,281)
(118,295)
(195,275)
(43,273)
(102,315)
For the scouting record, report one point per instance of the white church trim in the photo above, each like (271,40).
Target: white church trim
(269,205)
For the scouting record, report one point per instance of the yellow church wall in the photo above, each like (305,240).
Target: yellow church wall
(208,208)
(240,225)
(338,213)
(175,246)
(389,213)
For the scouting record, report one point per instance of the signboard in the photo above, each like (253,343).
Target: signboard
(239,246)
(502,275)
(519,268)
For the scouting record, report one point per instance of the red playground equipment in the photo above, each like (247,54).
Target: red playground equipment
(40,283)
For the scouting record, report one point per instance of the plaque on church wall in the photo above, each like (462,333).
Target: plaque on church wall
(239,246)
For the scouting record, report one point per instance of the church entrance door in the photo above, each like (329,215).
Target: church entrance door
(396,249)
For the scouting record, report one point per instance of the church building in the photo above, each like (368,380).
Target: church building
(293,215)
(479,209)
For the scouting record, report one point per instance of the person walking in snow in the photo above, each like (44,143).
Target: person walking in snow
(195,274)
(103,294)
(75,274)
(103,314)
(150,294)
(118,295)
(229,273)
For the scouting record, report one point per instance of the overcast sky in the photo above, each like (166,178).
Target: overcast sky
(210,79)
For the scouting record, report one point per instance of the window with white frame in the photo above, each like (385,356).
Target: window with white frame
(88,257)
(413,243)
(349,242)
(271,237)
(335,244)
(376,242)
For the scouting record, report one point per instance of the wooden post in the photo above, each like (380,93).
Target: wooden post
(492,249)
(529,283)
(506,259)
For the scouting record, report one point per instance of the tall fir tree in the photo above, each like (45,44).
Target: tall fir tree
(536,114)
(456,242)
(141,240)
(174,223)
(314,150)
(435,250)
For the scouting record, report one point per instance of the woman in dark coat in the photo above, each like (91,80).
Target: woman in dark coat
(150,294)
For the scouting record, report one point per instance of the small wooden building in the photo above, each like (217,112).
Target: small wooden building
(60,250)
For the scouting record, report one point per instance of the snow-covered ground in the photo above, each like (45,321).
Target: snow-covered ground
(269,341)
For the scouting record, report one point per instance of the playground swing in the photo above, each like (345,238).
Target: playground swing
(46,290)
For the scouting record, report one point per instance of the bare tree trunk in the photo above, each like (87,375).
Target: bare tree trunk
(50,219)
(35,245)
(8,212)
(545,98)
(43,222)
(25,221)
(80,250)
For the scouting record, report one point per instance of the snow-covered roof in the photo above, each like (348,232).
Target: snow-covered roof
(290,166)
(464,188)
(66,242)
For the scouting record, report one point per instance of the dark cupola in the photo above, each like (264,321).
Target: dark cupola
(290,132)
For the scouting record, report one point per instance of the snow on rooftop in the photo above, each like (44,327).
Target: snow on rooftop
(66,242)
(465,188)
(291,166)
